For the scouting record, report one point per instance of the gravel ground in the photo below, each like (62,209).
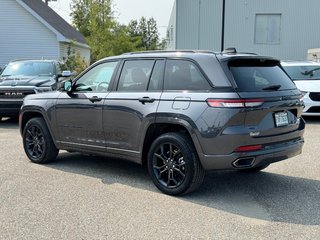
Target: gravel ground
(82,197)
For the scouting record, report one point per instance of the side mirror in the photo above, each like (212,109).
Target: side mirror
(67,86)
(0,70)
(66,74)
(63,75)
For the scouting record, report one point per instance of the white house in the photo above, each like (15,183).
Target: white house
(285,29)
(31,29)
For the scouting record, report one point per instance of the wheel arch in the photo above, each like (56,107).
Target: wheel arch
(29,113)
(161,127)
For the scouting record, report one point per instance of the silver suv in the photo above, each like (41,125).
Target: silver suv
(179,113)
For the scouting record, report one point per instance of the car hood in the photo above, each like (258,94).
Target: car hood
(27,81)
(308,85)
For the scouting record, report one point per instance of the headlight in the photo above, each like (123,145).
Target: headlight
(303,93)
(42,89)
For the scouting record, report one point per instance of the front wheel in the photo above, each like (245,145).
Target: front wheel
(37,142)
(173,164)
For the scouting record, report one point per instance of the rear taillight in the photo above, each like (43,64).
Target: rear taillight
(249,148)
(234,103)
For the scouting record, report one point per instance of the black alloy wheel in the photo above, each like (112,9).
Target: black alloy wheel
(173,164)
(34,142)
(169,165)
(37,142)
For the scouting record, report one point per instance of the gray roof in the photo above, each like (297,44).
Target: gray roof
(53,19)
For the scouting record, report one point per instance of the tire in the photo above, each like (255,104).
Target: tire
(254,169)
(173,164)
(37,142)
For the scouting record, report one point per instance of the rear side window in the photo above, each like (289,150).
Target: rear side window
(253,75)
(184,75)
(135,75)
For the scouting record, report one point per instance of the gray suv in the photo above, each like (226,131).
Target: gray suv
(178,113)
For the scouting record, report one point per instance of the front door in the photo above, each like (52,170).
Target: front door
(79,112)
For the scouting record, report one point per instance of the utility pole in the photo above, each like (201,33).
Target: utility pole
(223,23)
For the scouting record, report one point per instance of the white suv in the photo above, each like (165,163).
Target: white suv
(306,75)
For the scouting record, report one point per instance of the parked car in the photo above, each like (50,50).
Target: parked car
(23,77)
(179,113)
(306,75)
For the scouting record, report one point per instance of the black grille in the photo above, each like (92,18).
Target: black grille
(314,110)
(15,93)
(315,96)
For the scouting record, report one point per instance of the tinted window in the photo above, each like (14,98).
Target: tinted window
(303,72)
(98,78)
(135,75)
(184,75)
(256,75)
(157,76)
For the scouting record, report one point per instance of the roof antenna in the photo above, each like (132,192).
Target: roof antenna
(231,50)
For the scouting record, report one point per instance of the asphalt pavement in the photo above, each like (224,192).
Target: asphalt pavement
(84,197)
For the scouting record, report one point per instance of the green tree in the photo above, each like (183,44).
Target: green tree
(147,30)
(80,15)
(106,37)
(73,61)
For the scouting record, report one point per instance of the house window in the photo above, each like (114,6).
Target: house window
(267,28)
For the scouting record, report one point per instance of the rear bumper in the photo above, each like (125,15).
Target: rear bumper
(271,153)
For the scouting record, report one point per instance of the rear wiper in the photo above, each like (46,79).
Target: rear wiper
(272,88)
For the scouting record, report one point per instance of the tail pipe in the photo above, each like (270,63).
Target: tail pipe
(244,162)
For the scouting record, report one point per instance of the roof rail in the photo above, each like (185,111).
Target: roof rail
(169,51)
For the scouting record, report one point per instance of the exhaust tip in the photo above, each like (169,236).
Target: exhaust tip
(243,162)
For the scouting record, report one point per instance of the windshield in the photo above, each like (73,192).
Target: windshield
(28,68)
(253,75)
(303,72)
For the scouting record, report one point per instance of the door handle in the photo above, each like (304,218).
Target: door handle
(146,100)
(95,99)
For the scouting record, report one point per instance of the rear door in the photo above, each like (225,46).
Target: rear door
(131,107)
(277,101)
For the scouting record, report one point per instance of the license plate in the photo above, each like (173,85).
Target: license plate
(281,119)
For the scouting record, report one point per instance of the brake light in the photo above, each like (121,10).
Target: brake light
(234,103)
(249,148)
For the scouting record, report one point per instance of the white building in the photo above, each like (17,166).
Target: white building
(285,29)
(31,29)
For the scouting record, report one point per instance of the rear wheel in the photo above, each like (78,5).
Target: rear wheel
(173,164)
(37,142)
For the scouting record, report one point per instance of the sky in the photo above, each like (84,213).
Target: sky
(126,10)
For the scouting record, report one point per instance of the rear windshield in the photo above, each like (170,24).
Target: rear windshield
(253,75)
(303,72)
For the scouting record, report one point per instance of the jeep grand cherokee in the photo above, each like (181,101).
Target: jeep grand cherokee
(179,113)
